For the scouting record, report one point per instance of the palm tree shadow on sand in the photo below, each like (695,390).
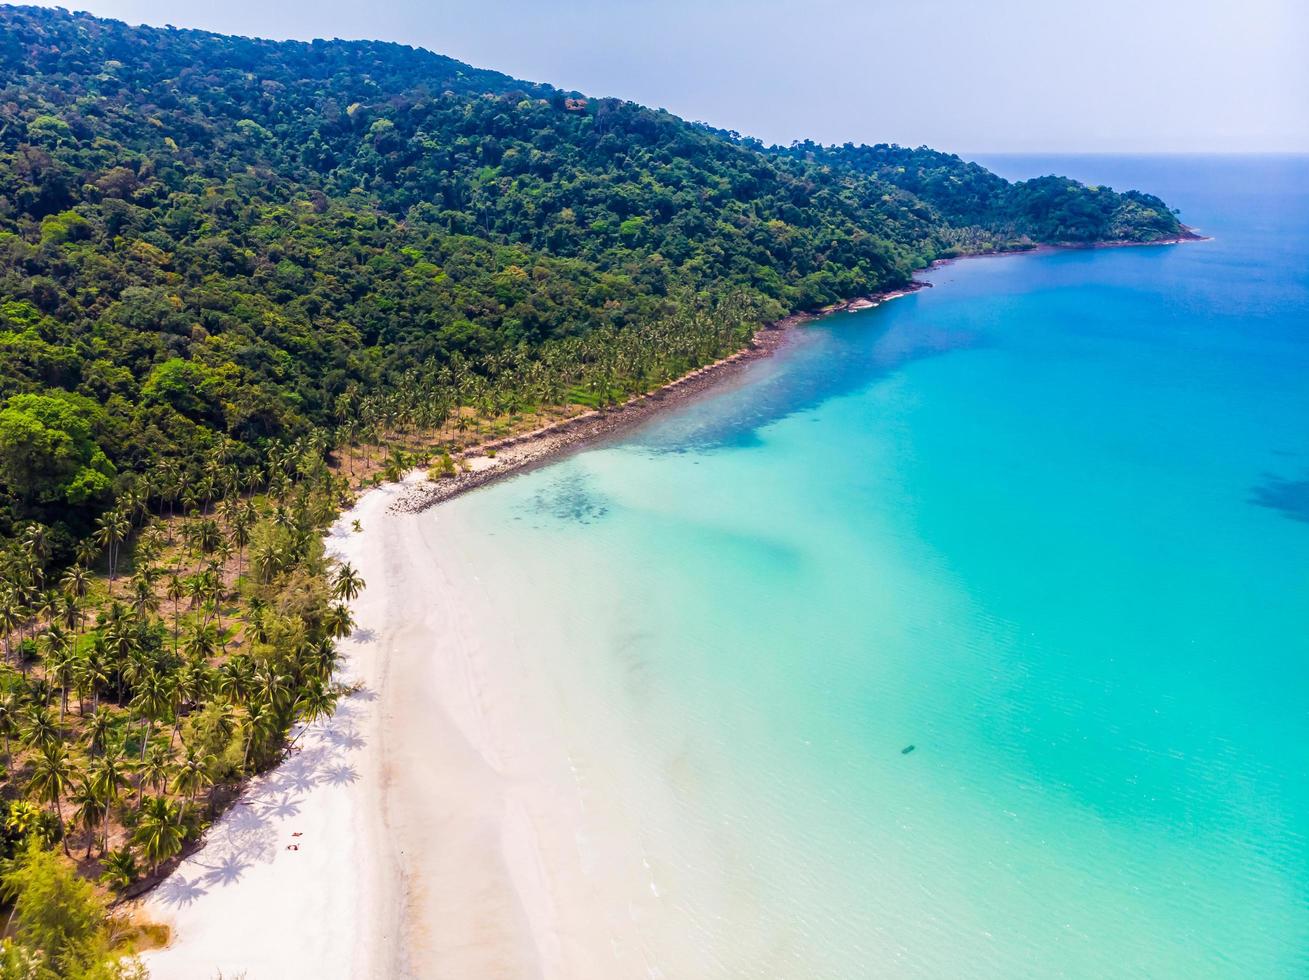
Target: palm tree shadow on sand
(179,891)
(254,828)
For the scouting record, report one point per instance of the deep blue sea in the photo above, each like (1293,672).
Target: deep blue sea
(1046,523)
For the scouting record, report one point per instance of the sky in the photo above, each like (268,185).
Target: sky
(978,76)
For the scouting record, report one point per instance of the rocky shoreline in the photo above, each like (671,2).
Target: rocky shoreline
(492,461)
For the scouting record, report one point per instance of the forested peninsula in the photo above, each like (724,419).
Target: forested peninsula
(239,279)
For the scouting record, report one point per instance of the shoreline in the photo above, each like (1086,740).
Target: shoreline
(434,824)
(500,458)
(428,820)
(495,460)
(303,851)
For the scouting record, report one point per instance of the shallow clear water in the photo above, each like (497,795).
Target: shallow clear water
(1048,523)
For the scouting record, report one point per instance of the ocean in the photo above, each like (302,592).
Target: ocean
(968,636)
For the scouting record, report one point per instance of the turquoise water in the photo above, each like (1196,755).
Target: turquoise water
(1048,523)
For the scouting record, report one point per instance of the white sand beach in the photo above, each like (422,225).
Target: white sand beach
(431,827)
(297,879)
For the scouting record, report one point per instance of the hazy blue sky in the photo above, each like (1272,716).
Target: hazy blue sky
(966,75)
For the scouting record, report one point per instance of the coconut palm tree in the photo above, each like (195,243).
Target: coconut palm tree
(160,832)
(152,701)
(90,810)
(201,641)
(108,775)
(10,708)
(241,525)
(39,730)
(347,583)
(52,778)
(157,768)
(144,599)
(11,618)
(176,591)
(276,687)
(93,670)
(120,869)
(315,703)
(60,663)
(338,622)
(100,731)
(261,727)
(193,774)
(70,614)
(121,641)
(236,678)
(111,531)
(190,684)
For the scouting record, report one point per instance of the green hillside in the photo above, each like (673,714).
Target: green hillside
(206,238)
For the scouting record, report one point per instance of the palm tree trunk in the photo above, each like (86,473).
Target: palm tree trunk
(59,814)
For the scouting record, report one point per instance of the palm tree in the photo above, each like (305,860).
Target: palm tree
(112,530)
(46,606)
(59,664)
(10,618)
(189,686)
(236,678)
(120,869)
(347,584)
(275,686)
(160,832)
(39,729)
(144,599)
(176,592)
(100,731)
(318,701)
(52,778)
(93,668)
(322,659)
(241,524)
(85,551)
(193,774)
(338,621)
(90,810)
(121,641)
(70,613)
(261,726)
(196,588)
(154,697)
(75,581)
(109,777)
(10,706)
(208,535)
(201,641)
(157,768)
(267,559)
